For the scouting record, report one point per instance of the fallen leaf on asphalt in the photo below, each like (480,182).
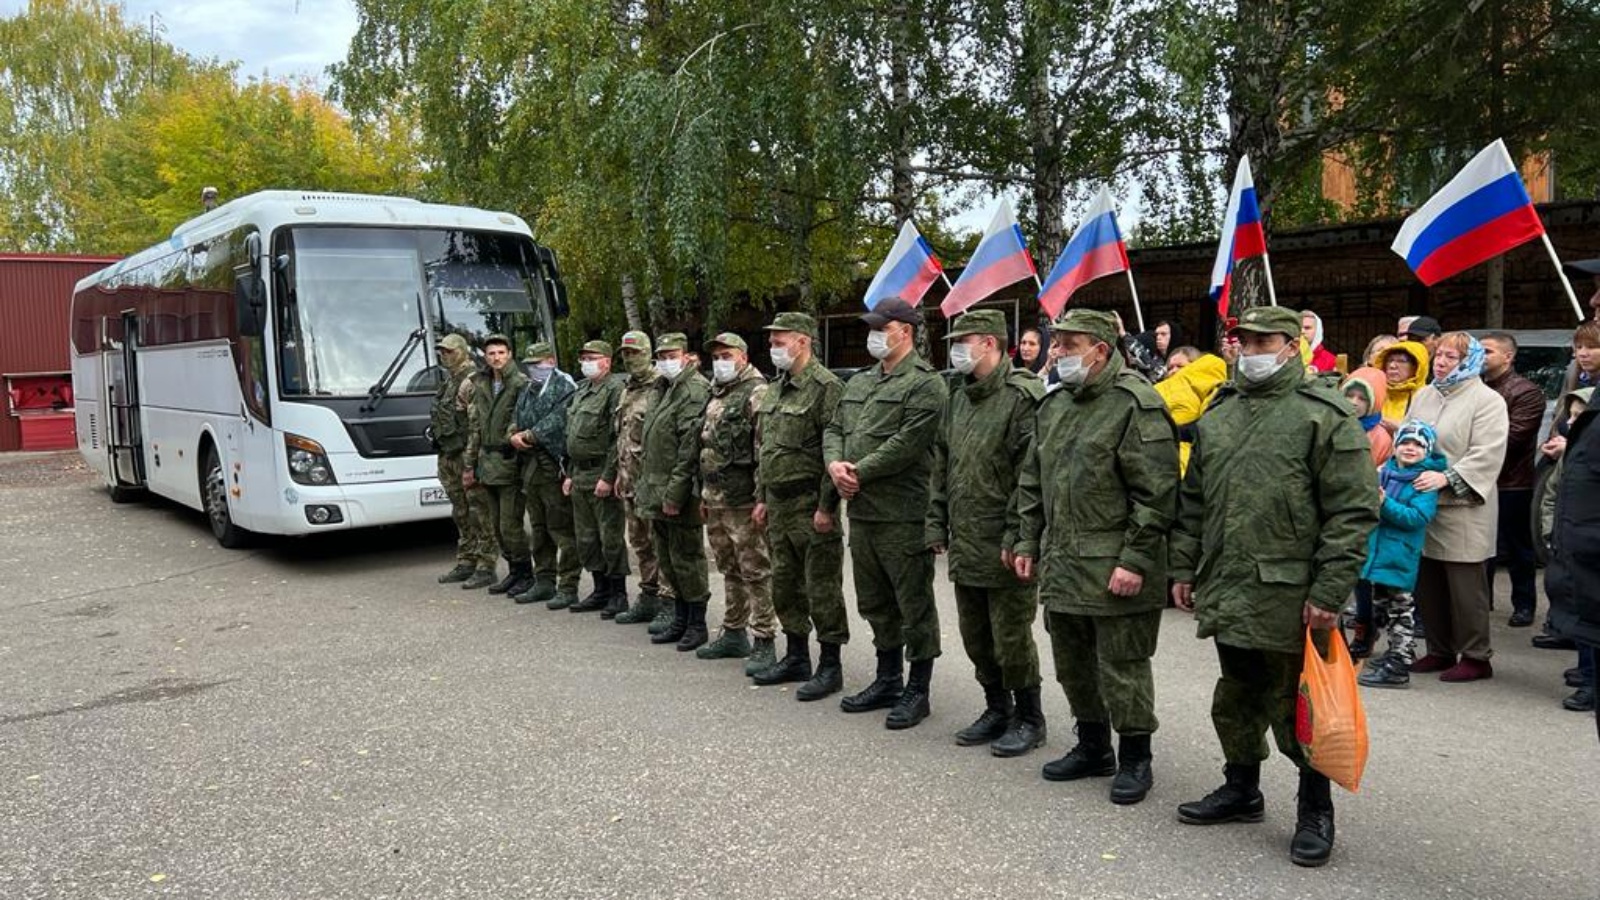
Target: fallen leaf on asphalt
(158,878)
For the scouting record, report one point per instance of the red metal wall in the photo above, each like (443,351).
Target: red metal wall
(35,309)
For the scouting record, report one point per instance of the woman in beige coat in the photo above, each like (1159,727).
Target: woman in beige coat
(1452,583)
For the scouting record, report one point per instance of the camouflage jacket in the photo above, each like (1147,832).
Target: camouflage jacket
(1274,511)
(887,424)
(448,417)
(592,429)
(794,414)
(488,452)
(977,462)
(671,437)
(728,441)
(1100,490)
(541,419)
(637,395)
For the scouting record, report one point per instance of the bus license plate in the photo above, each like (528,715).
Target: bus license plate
(433,496)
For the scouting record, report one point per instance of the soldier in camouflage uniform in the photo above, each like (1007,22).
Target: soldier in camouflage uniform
(800,510)
(591,481)
(728,497)
(1273,518)
(880,450)
(450,425)
(972,513)
(668,494)
(655,592)
(1099,491)
(539,434)
(490,459)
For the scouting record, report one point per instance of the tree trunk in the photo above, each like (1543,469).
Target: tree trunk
(1255,122)
(1049,181)
(630,302)
(1494,306)
(902,194)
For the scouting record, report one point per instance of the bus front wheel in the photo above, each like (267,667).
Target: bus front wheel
(214,492)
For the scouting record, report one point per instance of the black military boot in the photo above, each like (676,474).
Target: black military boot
(617,600)
(460,573)
(513,576)
(1092,757)
(664,616)
(541,590)
(829,677)
(1313,832)
(597,599)
(695,633)
(642,612)
(481,578)
(913,705)
(526,581)
(884,690)
(1134,778)
(795,667)
(675,629)
(1027,729)
(994,720)
(1238,800)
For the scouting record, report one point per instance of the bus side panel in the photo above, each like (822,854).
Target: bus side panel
(255,453)
(88,392)
(186,390)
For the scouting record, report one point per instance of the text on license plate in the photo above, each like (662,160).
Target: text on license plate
(432,496)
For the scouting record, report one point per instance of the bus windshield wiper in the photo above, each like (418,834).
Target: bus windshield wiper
(377,392)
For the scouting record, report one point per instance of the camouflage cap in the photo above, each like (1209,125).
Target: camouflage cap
(636,340)
(453,342)
(727,339)
(672,340)
(1102,326)
(1269,320)
(599,348)
(538,350)
(797,322)
(982,321)
(500,339)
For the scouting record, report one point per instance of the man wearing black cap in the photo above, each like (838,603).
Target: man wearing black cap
(1424,330)
(879,449)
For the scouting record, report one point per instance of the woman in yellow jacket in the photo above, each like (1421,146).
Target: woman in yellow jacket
(1405,366)
(1186,392)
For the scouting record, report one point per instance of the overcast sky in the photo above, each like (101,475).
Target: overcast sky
(285,38)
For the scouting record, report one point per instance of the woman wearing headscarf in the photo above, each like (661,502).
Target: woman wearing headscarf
(1322,359)
(1472,425)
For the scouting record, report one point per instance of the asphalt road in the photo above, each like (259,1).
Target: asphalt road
(323,720)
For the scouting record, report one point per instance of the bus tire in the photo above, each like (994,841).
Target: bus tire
(214,499)
(121,493)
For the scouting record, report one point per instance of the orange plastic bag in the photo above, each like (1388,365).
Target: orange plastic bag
(1330,723)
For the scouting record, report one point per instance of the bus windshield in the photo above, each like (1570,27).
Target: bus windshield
(355,295)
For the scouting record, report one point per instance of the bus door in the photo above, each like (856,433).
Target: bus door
(124,433)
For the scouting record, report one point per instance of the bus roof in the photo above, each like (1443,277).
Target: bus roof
(270,209)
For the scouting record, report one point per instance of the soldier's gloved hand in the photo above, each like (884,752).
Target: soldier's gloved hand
(1125,583)
(822,522)
(566,487)
(1183,595)
(758,515)
(1023,567)
(1318,618)
(602,489)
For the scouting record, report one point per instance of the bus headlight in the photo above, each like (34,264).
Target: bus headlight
(308,462)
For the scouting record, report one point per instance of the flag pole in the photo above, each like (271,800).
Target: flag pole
(1562,274)
(1272,292)
(1137,312)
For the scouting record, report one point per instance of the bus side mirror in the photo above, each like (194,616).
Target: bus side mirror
(550,273)
(250,303)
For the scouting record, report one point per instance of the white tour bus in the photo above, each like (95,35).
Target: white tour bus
(272,364)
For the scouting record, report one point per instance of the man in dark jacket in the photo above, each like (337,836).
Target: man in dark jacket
(491,461)
(1525,406)
(1575,541)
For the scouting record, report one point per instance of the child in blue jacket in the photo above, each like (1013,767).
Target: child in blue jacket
(1394,550)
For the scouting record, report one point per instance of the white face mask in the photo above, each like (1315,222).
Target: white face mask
(878,343)
(1258,367)
(1070,370)
(671,368)
(962,359)
(590,368)
(724,370)
(781,360)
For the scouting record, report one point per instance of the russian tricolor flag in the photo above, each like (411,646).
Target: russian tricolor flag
(1001,259)
(908,271)
(1483,212)
(1095,250)
(1242,235)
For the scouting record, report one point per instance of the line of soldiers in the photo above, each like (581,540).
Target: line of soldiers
(1069,499)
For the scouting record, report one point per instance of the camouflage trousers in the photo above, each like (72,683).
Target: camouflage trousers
(807,571)
(642,540)
(554,552)
(506,511)
(680,544)
(997,632)
(597,526)
(475,544)
(1103,664)
(1257,693)
(893,570)
(742,557)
